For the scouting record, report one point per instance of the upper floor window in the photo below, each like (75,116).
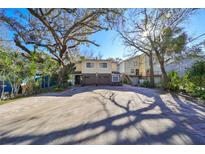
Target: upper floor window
(103,65)
(148,72)
(132,71)
(135,63)
(89,65)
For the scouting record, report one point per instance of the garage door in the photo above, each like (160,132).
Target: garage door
(89,79)
(100,79)
(104,79)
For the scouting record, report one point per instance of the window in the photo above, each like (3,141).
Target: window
(103,65)
(89,65)
(137,72)
(135,63)
(147,72)
(132,71)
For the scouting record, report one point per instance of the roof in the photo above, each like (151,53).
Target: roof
(99,60)
(116,72)
(131,58)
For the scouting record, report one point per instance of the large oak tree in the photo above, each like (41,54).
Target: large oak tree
(58,32)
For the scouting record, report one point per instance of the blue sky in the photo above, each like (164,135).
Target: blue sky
(111,44)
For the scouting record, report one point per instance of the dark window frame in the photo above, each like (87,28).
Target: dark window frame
(90,65)
(103,65)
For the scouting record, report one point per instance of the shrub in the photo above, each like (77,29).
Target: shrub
(146,84)
(70,83)
(196,73)
(194,80)
(203,96)
(58,89)
(126,80)
(174,81)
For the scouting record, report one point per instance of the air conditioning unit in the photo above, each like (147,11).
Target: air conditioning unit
(115,77)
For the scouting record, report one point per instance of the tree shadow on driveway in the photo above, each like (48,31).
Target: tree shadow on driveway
(156,122)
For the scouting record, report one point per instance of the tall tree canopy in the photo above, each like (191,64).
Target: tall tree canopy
(58,31)
(159,32)
(133,32)
(165,33)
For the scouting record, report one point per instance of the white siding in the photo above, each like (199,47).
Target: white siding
(131,65)
(121,67)
(140,62)
(181,66)
(96,68)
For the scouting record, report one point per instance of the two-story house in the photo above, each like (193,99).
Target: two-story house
(182,65)
(96,72)
(138,68)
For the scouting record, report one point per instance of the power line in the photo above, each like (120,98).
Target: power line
(195,38)
(7,40)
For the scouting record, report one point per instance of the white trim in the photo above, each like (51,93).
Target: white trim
(116,76)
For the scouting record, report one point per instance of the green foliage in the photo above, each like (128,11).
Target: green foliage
(174,81)
(58,89)
(203,96)
(14,68)
(187,85)
(173,40)
(197,73)
(51,89)
(64,74)
(194,80)
(17,69)
(146,84)
(126,80)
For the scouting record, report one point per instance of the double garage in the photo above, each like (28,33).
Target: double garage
(96,79)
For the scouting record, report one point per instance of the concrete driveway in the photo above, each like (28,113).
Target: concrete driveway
(103,115)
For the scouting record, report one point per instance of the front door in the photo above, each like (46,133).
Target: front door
(78,79)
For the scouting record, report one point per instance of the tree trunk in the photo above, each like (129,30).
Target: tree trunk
(2,93)
(48,81)
(15,89)
(61,76)
(164,75)
(64,73)
(44,82)
(152,84)
(12,89)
